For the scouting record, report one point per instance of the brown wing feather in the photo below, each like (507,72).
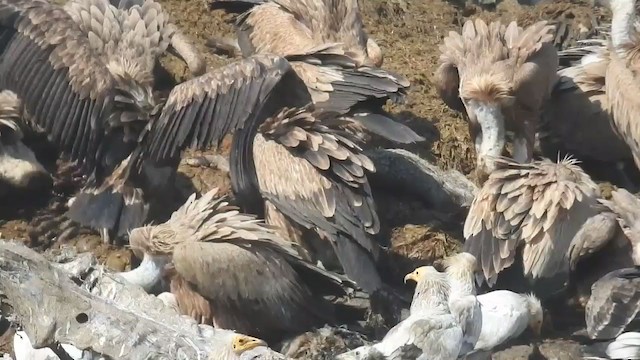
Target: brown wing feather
(63,83)
(540,205)
(319,181)
(203,110)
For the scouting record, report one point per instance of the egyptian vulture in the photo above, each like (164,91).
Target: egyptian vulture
(106,116)
(548,212)
(487,320)
(500,77)
(19,168)
(430,327)
(299,27)
(615,298)
(625,347)
(576,119)
(230,270)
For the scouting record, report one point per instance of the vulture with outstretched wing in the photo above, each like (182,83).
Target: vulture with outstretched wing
(230,270)
(326,28)
(547,211)
(500,77)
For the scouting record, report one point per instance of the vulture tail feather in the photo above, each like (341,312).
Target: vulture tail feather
(358,264)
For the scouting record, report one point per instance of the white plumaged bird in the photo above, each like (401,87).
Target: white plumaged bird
(430,331)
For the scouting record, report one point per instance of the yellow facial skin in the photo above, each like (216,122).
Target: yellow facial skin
(416,274)
(242,343)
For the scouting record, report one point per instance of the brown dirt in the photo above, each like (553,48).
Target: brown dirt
(409,33)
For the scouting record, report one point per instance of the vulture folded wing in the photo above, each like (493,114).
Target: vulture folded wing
(614,303)
(319,181)
(542,205)
(250,288)
(63,83)
(203,110)
(536,62)
(99,20)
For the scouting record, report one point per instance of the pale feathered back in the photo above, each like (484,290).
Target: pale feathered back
(200,220)
(540,206)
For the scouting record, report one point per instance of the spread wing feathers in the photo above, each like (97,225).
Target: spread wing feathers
(146,28)
(64,85)
(614,303)
(99,20)
(339,88)
(330,187)
(541,205)
(203,110)
(250,288)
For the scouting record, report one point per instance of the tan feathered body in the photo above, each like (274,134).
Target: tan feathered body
(507,68)
(548,211)
(231,270)
(576,118)
(621,76)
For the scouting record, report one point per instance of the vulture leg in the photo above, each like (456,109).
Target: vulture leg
(183,48)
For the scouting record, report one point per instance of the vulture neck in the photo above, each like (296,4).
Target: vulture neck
(462,282)
(242,171)
(149,273)
(431,297)
(491,120)
(622,24)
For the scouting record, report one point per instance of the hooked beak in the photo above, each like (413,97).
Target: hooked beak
(242,343)
(410,276)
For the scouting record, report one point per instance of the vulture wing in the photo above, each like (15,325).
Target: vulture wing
(99,20)
(542,205)
(52,67)
(146,27)
(319,181)
(614,303)
(536,61)
(203,110)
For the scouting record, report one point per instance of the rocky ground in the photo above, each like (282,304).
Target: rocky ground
(409,32)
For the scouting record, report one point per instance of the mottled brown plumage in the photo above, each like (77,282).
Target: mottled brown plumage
(319,182)
(231,270)
(550,211)
(500,76)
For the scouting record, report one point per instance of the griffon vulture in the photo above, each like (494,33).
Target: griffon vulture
(299,27)
(19,168)
(100,109)
(230,270)
(615,298)
(620,79)
(499,76)
(548,212)
(430,331)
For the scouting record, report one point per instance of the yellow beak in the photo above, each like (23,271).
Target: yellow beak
(410,276)
(242,343)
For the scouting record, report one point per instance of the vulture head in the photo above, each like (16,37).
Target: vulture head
(536,314)
(487,96)
(461,270)
(19,168)
(233,346)
(432,288)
